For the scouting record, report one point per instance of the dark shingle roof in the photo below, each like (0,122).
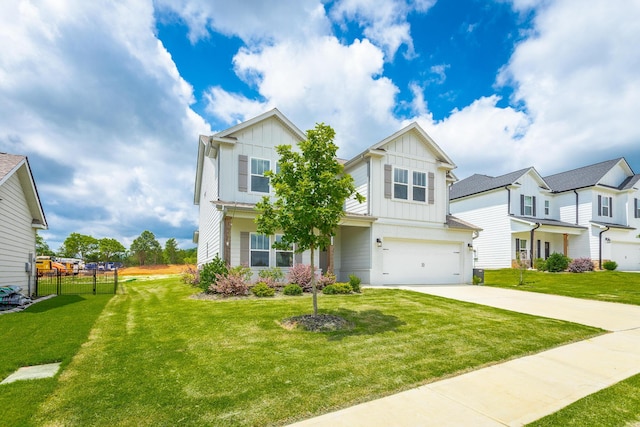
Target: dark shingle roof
(453,222)
(586,176)
(550,222)
(480,183)
(630,182)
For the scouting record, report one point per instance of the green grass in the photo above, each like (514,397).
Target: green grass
(618,405)
(157,357)
(49,331)
(611,286)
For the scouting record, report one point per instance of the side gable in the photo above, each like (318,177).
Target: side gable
(18,166)
(477,183)
(587,176)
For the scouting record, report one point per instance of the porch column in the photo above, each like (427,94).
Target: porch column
(227,240)
(565,237)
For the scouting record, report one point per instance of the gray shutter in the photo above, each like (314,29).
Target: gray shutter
(431,187)
(522,204)
(243,172)
(517,247)
(635,208)
(611,207)
(599,205)
(387,181)
(244,248)
(534,205)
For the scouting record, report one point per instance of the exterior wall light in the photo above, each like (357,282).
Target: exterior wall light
(379,242)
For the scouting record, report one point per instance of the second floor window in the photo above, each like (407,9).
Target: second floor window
(401,184)
(419,186)
(604,206)
(528,205)
(636,208)
(547,208)
(259,182)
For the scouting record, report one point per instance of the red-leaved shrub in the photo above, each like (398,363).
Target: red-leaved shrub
(300,274)
(580,265)
(233,284)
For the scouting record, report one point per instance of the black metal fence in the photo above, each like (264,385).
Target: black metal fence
(81,282)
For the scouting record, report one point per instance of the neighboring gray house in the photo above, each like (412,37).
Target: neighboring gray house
(401,234)
(592,211)
(21,215)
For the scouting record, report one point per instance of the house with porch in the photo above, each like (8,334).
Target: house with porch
(21,216)
(590,212)
(401,234)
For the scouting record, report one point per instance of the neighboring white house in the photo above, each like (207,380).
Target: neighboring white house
(21,215)
(401,234)
(590,212)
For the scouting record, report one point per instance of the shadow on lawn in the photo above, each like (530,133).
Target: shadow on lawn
(53,303)
(367,322)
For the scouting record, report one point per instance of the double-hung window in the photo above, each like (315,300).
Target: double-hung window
(636,208)
(260,249)
(606,206)
(401,184)
(528,205)
(419,186)
(547,207)
(259,182)
(284,257)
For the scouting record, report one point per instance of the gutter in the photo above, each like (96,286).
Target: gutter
(506,187)
(577,218)
(600,245)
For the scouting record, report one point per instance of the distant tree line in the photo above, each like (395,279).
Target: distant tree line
(145,250)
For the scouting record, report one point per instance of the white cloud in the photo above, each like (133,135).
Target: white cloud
(94,99)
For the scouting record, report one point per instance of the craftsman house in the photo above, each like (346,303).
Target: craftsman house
(21,215)
(401,234)
(591,212)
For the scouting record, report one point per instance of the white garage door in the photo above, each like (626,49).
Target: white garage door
(627,255)
(414,262)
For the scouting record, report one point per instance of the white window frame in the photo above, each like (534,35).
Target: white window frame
(397,183)
(604,206)
(547,207)
(278,237)
(419,186)
(528,208)
(257,174)
(259,249)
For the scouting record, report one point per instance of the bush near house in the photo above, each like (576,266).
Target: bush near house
(337,288)
(556,263)
(210,272)
(580,265)
(300,274)
(540,264)
(292,290)
(261,289)
(610,265)
(354,281)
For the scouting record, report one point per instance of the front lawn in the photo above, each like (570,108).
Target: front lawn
(158,357)
(611,286)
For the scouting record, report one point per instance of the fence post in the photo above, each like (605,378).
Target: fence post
(58,282)
(115,282)
(94,280)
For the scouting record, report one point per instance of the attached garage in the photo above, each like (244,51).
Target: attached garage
(421,262)
(627,255)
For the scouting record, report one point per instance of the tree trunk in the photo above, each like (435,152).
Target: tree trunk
(314,288)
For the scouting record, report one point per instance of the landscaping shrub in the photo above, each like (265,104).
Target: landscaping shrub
(540,264)
(233,284)
(610,265)
(580,265)
(337,288)
(261,289)
(243,271)
(292,289)
(210,272)
(325,279)
(300,274)
(557,262)
(274,273)
(190,276)
(354,281)
(271,282)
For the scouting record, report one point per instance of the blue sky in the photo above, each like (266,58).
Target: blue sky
(108,98)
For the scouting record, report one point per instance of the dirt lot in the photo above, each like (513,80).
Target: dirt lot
(149,270)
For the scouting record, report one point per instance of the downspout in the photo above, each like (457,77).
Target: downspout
(577,218)
(506,187)
(532,237)
(600,246)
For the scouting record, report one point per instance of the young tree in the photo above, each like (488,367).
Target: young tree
(110,248)
(145,246)
(77,244)
(310,191)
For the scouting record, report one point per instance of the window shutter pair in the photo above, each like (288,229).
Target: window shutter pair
(610,205)
(533,205)
(388,169)
(245,251)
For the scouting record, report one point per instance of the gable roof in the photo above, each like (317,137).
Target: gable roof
(275,113)
(630,182)
(378,149)
(12,164)
(586,176)
(478,183)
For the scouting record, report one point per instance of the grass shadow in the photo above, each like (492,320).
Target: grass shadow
(53,303)
(366,322)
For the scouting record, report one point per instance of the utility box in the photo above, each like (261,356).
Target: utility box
(479,273)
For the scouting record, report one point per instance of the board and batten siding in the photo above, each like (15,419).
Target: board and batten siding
(257,141)
(210,219)
(17,235)
(360,175)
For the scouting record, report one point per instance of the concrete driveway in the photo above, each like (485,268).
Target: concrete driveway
(520,391)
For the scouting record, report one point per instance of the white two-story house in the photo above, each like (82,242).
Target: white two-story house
(401,234)
(587,212)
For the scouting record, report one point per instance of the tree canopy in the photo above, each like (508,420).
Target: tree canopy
(145,247)
(79,245)
(310,190)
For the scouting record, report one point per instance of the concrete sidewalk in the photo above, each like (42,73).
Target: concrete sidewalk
(519,391)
